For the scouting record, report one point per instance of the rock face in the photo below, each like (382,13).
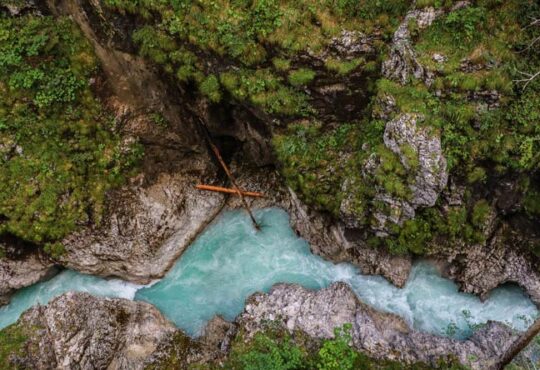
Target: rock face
(79,331)
(149,222)
(19,273)
(147,229)
(481,268)
(402,64)
(419,150)
(381,335)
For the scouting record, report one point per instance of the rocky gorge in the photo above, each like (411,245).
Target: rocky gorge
(359,208)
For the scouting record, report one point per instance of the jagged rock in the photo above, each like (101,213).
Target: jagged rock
(429,173)
(351,43)
(385,108)
(439,58)
(381,335)
(79,331)
(18,7)
(486,99)
(402,64)
(150,221)
(218,334)
(480,268)
(146,229)
(21,272)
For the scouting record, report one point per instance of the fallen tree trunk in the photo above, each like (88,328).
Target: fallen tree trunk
(518,345)
(229,191)
(233,181)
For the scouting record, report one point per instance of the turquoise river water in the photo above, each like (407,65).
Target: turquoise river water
(229,261)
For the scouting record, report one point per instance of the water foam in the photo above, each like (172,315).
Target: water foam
(229,261)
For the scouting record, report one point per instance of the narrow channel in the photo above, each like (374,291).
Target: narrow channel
(229,261)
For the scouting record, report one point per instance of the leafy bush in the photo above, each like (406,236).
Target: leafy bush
(301,76)
(210,87)
(342,67)
(58,153)
(276,349)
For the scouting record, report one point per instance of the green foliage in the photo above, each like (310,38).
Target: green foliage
(313,162)
(277,350)
(466,22)
(343,67)
(413,237)
(264,89)
(480,213)
(281,64)
(55,250)
(210,87)
(266,353)
(58,154)
(337,354)
(301,76)
(159,119)
(195,39)
(12,340)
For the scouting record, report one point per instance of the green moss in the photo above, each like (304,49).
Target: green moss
(480,213)
(281,64)
(343,67)
(478,174)
(12,341)
(210,87)
(266,90)
(225,36)
(59,153)
(301,76)
(314,163)
(55,250)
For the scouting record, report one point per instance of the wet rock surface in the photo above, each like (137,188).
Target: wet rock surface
(22,272)
(326,237)
(481,268)
(381,335)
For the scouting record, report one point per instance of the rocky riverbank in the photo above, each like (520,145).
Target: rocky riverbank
(349,207)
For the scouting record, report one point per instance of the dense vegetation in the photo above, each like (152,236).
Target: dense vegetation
(265,55)
(58,152)
(277,350)
(249,50)
(484,47)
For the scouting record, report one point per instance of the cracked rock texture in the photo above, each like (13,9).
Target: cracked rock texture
(381,335)
(21,272)
(79,331)
(429,171)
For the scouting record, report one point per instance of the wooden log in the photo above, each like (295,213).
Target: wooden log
(233,181)
(227,172)
(229,191)
(519,345)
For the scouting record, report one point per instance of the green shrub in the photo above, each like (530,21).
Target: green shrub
(64,154)
(281,64)
(301,76)
(12,340)
(210,88)
(342,67)
(337,354)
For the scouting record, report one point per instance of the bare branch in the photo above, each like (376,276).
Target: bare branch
(529,77)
